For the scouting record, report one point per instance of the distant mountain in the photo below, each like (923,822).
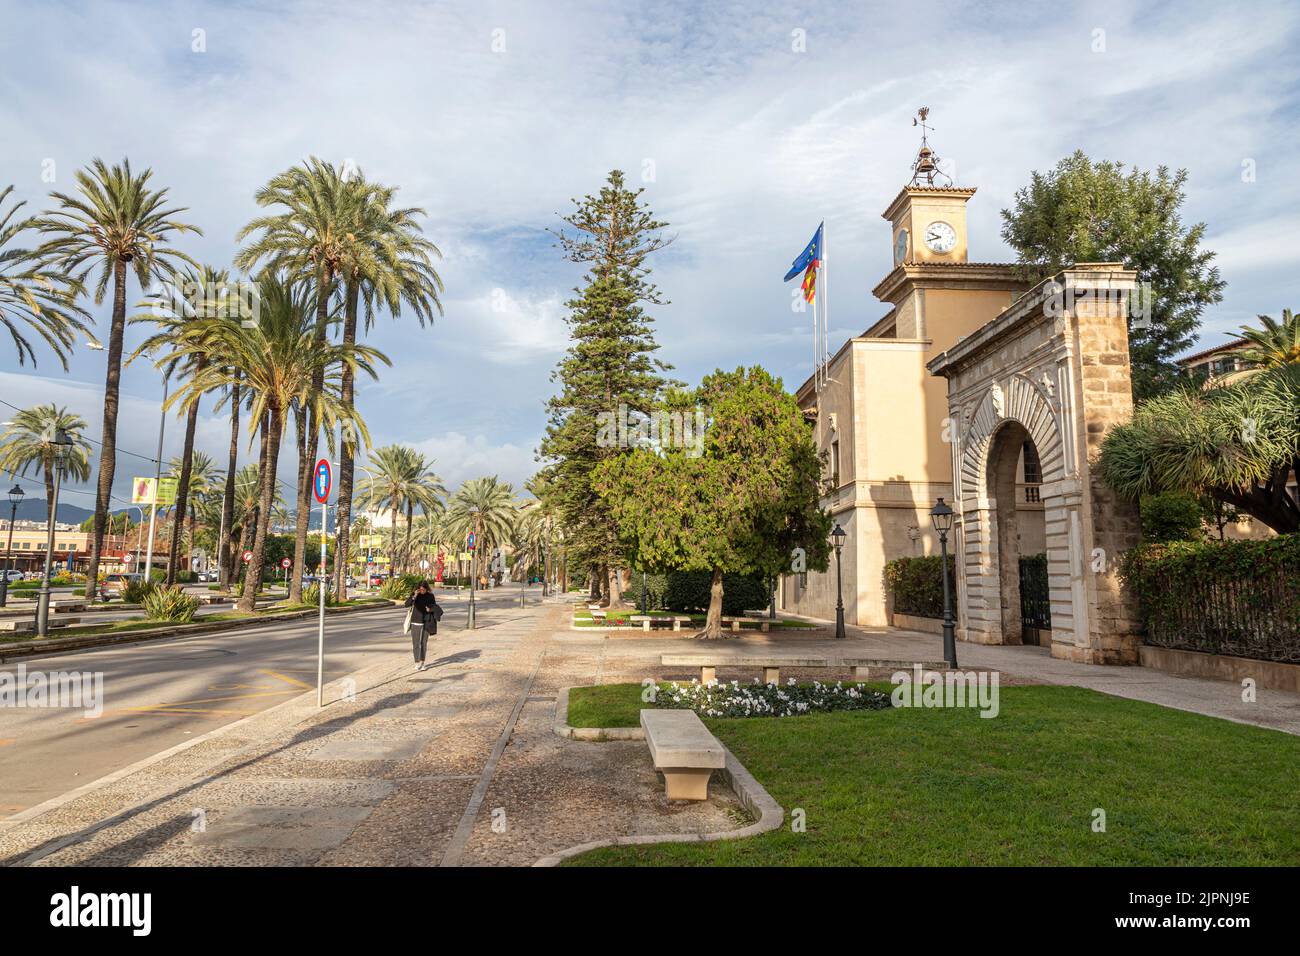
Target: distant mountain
(34,510)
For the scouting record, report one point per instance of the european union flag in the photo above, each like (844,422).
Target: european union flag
(809,258)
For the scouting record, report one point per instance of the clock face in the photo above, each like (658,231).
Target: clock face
(900,246)
(940,237)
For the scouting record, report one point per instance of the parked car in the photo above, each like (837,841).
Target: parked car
(115,584)
(12,575)
(377,579)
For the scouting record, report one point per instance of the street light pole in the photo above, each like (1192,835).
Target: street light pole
(473,573)
(16,495)
(62,442)
(941,516)
(838,536)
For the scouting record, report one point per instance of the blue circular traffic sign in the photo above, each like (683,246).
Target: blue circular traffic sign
(323,479)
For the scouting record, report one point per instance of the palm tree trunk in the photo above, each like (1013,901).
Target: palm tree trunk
(303,515)
(228,499)
(251,519)
(406,543)
(49,489)
(392,545)
(253,574)
(347,451)
(108,446)
(183,488)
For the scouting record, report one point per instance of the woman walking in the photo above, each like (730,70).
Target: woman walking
(422,621)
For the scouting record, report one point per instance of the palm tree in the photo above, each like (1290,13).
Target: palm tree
(34,294)
(193,294)
(1277,343)
(117,223)
(394,481)
(485,506)
(199,474)
(280,360)
(388,263)
(29,442)
(310,240)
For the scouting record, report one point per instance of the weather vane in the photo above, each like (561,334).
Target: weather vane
(927,160)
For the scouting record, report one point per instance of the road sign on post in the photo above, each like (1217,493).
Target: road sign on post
(322,481)
(286,563)
(248,556)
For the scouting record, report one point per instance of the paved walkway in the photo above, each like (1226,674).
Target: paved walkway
(458,765)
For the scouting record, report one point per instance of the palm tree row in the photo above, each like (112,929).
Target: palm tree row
(332,251)
(399,480)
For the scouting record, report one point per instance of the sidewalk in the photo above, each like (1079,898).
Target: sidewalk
(457,765)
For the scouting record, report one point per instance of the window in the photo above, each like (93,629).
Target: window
(1033,468)
(835,462)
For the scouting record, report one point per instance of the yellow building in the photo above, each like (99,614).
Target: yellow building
(882,418)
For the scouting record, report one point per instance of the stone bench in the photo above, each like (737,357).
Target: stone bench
(736,622)
(598,614)
(858,666)
(17,626)
(647,621)
(67,607)
(684,751)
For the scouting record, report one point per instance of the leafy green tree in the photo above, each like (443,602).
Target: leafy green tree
(1171,516)
(1238,443)
(119,225)
(28,442)
(35,294)
(743,502)
(609,368)
(1082,211)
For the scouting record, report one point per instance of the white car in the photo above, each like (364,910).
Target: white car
(13,575)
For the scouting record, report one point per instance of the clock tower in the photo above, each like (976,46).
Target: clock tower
(928,219)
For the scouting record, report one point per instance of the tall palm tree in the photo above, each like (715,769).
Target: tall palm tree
(280,360)
(388,262)
(173,307)
(391,478)
(199,474)
(117,224)
(28,442)
(309,239)
(226,521)
(1277,343)
(485,506)
(32,293)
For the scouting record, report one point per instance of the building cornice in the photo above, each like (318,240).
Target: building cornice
(935,192)
(994,275)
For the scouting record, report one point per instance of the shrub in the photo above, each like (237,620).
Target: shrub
(186,577)
(136,591)
(768,700)
(1221,597)
(1171,516)
(311,595)
(690,591)
(169,604)
(401,587)
(917,584)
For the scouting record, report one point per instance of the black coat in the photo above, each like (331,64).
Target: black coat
(424,613)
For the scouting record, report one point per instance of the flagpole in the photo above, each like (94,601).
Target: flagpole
(826,303)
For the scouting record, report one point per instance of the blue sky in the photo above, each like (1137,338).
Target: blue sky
(743,141)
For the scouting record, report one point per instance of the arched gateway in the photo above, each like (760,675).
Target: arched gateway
(1043,381)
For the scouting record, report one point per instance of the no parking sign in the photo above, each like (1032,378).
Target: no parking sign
(323,480)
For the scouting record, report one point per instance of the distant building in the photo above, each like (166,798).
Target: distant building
(1218,364)
(71,548)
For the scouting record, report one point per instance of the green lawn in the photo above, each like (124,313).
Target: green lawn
(917,787)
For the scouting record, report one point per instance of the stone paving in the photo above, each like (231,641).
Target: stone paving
(458,765)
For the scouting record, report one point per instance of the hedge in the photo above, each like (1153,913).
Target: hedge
(689,591)
(917,585)
(1221,597)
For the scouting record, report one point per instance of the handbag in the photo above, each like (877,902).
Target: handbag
(406,627)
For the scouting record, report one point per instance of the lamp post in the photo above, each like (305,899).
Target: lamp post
(941,516)
(837,539)
(16,495)
(62,445)
(157,476)
(473,571)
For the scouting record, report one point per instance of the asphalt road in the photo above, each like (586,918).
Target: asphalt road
(161,693)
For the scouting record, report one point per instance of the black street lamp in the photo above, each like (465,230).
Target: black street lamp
(62,445)
(837,539)
(645,597)
(16,495)
(941,517)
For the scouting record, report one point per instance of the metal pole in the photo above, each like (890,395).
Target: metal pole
(9,548)
(320,632)
(43,600)
(949,639)
(157,477)
(839,599)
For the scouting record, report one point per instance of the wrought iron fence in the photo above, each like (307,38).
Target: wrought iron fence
(1035,599)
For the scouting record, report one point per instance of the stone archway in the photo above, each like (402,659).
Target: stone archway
(1052,369)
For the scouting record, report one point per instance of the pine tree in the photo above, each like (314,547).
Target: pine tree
(610,369)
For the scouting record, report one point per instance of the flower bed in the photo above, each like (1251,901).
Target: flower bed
(768,700)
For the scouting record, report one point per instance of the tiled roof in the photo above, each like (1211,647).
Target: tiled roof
(1230,346)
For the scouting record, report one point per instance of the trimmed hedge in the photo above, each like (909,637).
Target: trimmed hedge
(917,584)
(1221,597)
(689,591)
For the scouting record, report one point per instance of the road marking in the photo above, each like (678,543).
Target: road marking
(287,680)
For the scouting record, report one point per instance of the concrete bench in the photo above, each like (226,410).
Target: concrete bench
(67,607)
(29,627)
(684,751)
(859,666)
(647,621)
(736,622)
(598,614)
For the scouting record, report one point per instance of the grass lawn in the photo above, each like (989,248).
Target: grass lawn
(936,787)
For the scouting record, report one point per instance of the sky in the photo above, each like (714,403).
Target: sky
(746,123)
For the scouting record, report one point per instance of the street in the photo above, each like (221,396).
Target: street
(158,694)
